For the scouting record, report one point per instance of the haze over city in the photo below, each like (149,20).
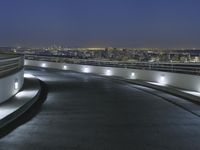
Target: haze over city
(100,23)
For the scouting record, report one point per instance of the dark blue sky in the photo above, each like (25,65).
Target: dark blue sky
(100,23)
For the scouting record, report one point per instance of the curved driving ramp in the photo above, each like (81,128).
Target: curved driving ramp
(17,105)
(89,112)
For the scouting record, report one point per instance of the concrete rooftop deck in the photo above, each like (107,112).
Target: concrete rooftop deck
(85,111)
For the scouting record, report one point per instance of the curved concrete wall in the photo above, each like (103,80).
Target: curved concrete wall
(184,81)
(8,85)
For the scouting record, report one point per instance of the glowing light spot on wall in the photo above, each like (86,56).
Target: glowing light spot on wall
(16,85)
(65,67)
(44,65)
(86,70)
(162,79)
(132,75)
(108,72)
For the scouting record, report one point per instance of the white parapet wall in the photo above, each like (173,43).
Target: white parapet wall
(10,85)
(184,81)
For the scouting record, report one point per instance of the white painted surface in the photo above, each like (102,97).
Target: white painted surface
(8,85)
(184,81)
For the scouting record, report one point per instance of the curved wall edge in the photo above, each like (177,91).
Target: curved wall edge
(10,85)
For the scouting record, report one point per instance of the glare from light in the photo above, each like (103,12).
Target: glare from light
(133,75)
(23,94)
(44,65)
(108,72)
(192,93)
(86,70)
(5,111)
(162,79)
(28,76)
(65,67)
(20,94)
(156,83)
(16,86)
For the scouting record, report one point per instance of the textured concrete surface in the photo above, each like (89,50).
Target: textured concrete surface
(88,112)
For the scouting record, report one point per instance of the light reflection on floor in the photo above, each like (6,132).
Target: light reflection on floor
(185,91)
(17,101)
(156,83)
(191,92)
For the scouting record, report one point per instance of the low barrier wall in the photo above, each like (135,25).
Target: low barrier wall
(184,81)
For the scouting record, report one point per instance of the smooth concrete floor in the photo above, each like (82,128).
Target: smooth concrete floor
(88,112)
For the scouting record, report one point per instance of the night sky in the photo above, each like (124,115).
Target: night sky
(100,23)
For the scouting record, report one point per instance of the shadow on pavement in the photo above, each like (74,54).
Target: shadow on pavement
(28,115)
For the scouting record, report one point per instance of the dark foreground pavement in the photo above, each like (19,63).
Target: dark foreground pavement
(88,112)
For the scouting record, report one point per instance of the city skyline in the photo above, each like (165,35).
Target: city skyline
(94,23)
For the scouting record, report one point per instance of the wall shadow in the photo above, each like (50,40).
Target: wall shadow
(29,114)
